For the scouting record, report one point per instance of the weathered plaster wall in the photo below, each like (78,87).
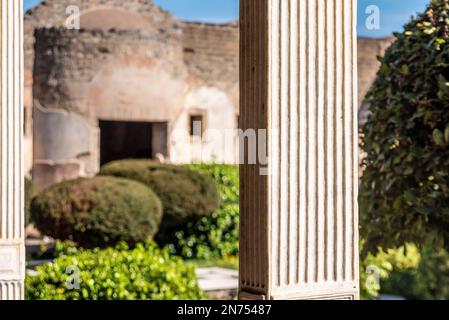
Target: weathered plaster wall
(368,64)
(219,143)
(73,66)
(211,54)
(81,77)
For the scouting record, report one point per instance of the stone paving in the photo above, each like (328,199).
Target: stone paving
(218,283)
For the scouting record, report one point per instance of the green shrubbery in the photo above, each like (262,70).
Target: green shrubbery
(186,195)
(115,273)
(408,272)
(376,269)
(405,187)
(217,236)
(98,212)
(404,195)
(212,237)
(144,273)
(428,280)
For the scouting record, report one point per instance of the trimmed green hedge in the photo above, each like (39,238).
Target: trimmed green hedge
(217,236)
(144,273)
(408,272)
(98,212)
(405,187)
(186,195)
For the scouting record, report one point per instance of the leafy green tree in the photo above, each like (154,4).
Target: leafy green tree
(405,188)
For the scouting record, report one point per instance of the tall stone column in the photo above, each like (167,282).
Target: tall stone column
(12,253)
(299,221)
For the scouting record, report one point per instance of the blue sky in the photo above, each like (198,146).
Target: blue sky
(393,13)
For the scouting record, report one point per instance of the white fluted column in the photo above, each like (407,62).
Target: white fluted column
(12,253)
(299,223)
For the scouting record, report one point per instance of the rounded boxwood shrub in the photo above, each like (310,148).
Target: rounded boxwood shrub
(215,236)
(144,273)
(405,187)
(186,195)
(98,212)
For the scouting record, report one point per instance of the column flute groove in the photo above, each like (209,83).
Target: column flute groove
(300,85)
(12,253)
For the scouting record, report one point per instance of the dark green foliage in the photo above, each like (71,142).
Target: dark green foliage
(144,273)
(405,188)
(31,190)
(98,212)
(217,236)
(376,269)
(428,281)
(186,195)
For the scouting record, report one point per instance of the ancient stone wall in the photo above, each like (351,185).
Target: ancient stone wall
(81,77)
(94,14)
(368,64)
(211,55)
(52,13)
(69,62)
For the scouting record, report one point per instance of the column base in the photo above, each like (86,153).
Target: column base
(11,290)
(304,294)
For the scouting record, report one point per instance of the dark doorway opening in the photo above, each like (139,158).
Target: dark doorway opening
(131,140)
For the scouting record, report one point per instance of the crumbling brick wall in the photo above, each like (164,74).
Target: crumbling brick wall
(211,55)
(70,59)
(81,77)
(52,13)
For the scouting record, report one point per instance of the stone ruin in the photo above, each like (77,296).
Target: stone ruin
(131,83)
